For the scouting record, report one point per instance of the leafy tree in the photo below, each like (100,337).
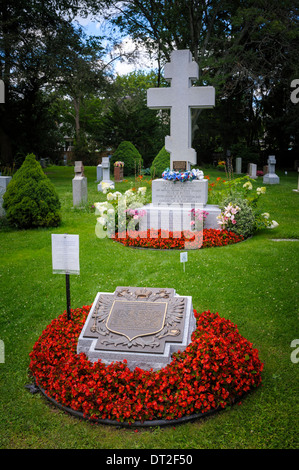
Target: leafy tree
(245,49)
(129,119)
(35,43)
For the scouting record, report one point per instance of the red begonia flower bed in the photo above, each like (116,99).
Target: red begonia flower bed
(214,371)
(164,240)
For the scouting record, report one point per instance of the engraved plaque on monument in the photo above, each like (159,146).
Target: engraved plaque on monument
(144,326)
(179,165)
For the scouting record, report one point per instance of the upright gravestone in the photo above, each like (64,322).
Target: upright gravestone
(99,173)
(4,181)
(271,177)
(180,98)
(252,168)
(238,169)
(173,201)
(79,185)
(106,175)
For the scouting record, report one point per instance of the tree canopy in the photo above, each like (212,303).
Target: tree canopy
(57,79)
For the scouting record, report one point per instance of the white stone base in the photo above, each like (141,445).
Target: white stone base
(271,178)
(111,183)
(176,217)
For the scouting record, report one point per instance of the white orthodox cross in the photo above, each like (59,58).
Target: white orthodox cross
(180,97)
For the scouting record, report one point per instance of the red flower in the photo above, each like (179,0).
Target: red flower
(216,368)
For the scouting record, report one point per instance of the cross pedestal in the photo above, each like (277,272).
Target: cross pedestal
(180,98)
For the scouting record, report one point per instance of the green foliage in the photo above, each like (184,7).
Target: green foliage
(245,219)
(127,152)
(31,199)
(160,163)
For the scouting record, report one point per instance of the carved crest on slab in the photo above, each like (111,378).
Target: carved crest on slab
(137,319)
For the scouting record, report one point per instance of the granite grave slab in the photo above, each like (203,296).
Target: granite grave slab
(145,326)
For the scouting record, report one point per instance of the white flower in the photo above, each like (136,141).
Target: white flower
(142,190)
(199,174)
(129,192)
(102,220)
(247,185)
(101,207)
(261,190)
(273,224)
(266,215)
(110,211)
(110,197)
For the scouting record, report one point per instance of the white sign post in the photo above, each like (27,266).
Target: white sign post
(65,260)
(184,258)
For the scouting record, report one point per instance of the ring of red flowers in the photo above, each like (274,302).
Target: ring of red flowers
(165,240)
(216,369)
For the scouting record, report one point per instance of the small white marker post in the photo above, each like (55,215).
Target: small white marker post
(184,258)
(65,260)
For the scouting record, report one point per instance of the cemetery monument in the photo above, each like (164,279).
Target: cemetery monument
(79,185)
(271,177)
(172,201)
(145,326)
(4,181)
(105,175)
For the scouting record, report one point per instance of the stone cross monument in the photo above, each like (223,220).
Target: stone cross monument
(181,97)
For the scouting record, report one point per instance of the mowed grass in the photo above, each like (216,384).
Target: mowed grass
(253,283)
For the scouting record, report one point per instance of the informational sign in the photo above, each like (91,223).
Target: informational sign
(184,258)
(65,254)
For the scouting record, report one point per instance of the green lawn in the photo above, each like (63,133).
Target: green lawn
(253,283)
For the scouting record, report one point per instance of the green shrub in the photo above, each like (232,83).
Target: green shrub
(31,199)
(245,219)
(160,163)
(126,152)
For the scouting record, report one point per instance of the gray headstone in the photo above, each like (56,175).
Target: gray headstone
(99,173)
(79,184)
(252,170)
(271,177)
(4,181)
(238,169)
(106,175)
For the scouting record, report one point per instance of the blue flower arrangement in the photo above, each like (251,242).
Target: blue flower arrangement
(182,176)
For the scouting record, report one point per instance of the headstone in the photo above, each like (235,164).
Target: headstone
(180,98)
(252,170)
(99,173)
(4,181)
(238,169)
(271,177)
(172,201)
(106,174)
(79,185)
(145,326)
(2,92)
(265,169)
(297,190)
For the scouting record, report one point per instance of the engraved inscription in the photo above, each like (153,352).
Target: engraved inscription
(189,192)
(136,319)
(133,319)
(179,165)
